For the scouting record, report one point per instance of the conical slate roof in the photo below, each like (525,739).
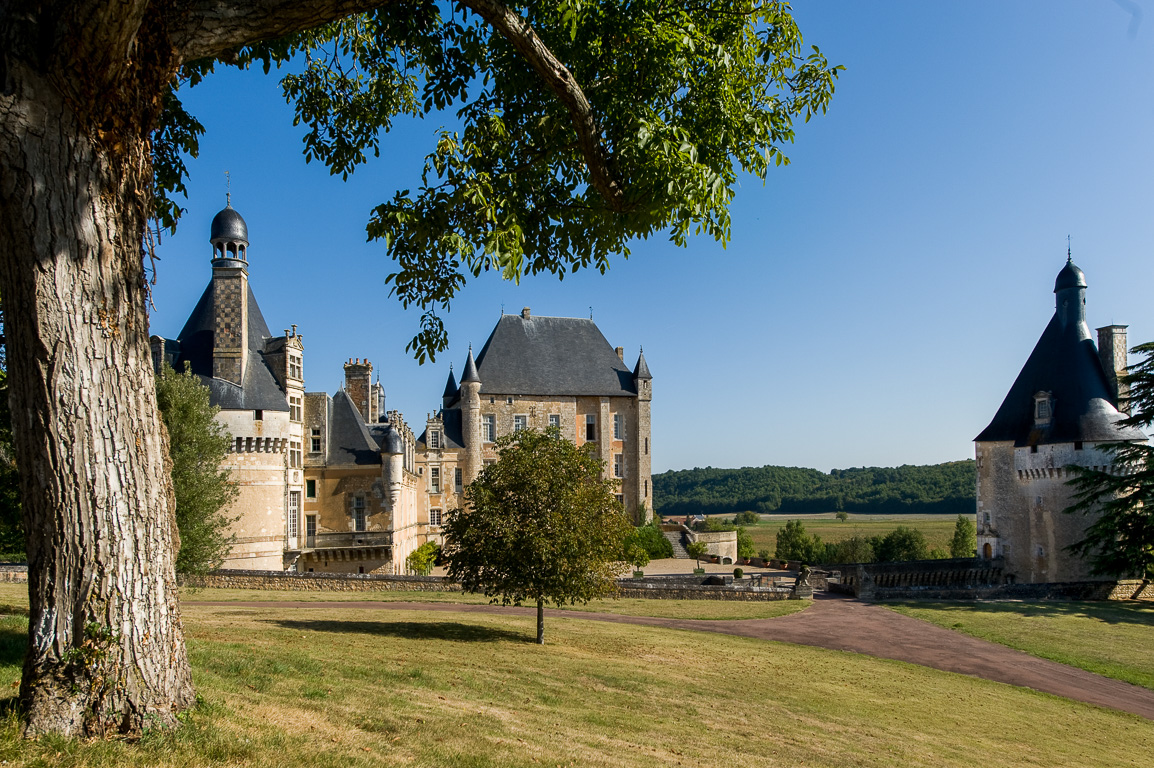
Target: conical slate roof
(1065,365)
(641,370)
(470,373)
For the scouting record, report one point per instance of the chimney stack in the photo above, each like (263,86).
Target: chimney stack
(1112,353)
(358,386)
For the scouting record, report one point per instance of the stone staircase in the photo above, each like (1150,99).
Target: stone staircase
(674,538)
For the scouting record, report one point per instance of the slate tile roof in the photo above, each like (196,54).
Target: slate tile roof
(261,390)
(551,356)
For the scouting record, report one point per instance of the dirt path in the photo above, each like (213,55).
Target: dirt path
(848,625)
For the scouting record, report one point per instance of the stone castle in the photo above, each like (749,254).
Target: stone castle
(339,484)
(1067,400)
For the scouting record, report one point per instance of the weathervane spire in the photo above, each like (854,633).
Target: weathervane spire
(1069,254)
(227,189)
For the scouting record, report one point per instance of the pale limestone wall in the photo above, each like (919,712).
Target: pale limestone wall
(636,482)
(723,544)
(1021,498)
(260,468)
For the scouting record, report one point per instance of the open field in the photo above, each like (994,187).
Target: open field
(332,687)
(1114,639)
(938,529)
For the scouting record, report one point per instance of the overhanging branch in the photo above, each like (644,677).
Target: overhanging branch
(209,28)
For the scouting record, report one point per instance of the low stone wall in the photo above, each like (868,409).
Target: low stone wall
(869,580)
(654,588)
(291,581)
(1072,590)
(14,573)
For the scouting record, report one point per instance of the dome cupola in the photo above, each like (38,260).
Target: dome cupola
(229,235)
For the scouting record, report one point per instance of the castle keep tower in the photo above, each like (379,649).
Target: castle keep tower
(1062,406)
(229,238)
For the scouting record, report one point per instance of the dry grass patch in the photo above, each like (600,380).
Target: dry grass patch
(1114,638)
(333,686)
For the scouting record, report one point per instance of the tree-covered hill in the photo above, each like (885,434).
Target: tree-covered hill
(938,488)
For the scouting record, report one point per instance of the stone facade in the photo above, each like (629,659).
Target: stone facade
(340,485)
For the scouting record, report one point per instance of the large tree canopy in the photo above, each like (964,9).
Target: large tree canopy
(631,118)
(585,123)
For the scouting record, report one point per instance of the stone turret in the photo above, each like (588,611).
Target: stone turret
(450,393)
(643,383)
(229,238)
(471,418)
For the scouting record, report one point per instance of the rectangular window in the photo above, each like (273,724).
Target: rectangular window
(555,420)
(294,408)
(435,517)
(358,513)
(457,478)
(618,426)
(310,489)
(434,479)
(310,531)
(315,444)
(520,423)
(590,427)
(258,415)
(294,513)
(294,367)
(295,454)
(489,428)
(618,465)
(620,498)
(434,439)
(487,462)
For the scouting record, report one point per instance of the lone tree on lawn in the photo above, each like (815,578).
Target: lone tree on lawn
(585,125)
(201,488)
(1120,540)
(540,524)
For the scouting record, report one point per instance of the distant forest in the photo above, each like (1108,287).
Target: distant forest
(934,489)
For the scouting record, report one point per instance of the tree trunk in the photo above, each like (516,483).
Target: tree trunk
(540,621)
(107,651)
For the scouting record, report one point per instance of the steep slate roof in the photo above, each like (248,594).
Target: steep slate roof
(551,356)
(1064,363)
(261,390)
(350,441)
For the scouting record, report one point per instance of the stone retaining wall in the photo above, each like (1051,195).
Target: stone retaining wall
(14,573)
(659,588)
(1130,589)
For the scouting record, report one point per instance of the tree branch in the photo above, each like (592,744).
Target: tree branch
(560,80)
(208,28)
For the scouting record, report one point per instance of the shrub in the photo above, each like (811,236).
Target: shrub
(744,544)
(650,538)
(900,544)
(746,518)
(738,573)
(421,560)
(763,554)
(965,541)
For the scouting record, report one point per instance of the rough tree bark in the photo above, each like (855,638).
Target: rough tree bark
(81,83)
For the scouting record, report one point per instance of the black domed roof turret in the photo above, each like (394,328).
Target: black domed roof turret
(228,225)
(1070,277)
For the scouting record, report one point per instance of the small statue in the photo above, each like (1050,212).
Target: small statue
(803,576)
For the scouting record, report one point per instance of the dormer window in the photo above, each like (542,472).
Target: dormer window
(1043,408)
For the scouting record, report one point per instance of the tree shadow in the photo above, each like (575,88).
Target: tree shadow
(419,630)
(13,646)
(1138,612)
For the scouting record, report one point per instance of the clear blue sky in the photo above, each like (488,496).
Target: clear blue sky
(879,295)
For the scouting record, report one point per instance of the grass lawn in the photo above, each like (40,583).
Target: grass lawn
(938,529)
(1115,639)
(340,687)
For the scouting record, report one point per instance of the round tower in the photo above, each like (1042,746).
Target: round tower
(471,418)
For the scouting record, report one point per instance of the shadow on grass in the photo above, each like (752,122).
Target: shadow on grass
(1109,612)
(13,645)
(423,630)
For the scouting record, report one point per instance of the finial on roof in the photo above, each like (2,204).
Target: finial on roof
(590,313)
(1069,255)
(470,373)
(227,190)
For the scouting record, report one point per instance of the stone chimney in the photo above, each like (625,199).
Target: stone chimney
(358,386)
(1112,353)
(525,313)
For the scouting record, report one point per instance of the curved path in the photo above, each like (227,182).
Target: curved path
(844,624)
